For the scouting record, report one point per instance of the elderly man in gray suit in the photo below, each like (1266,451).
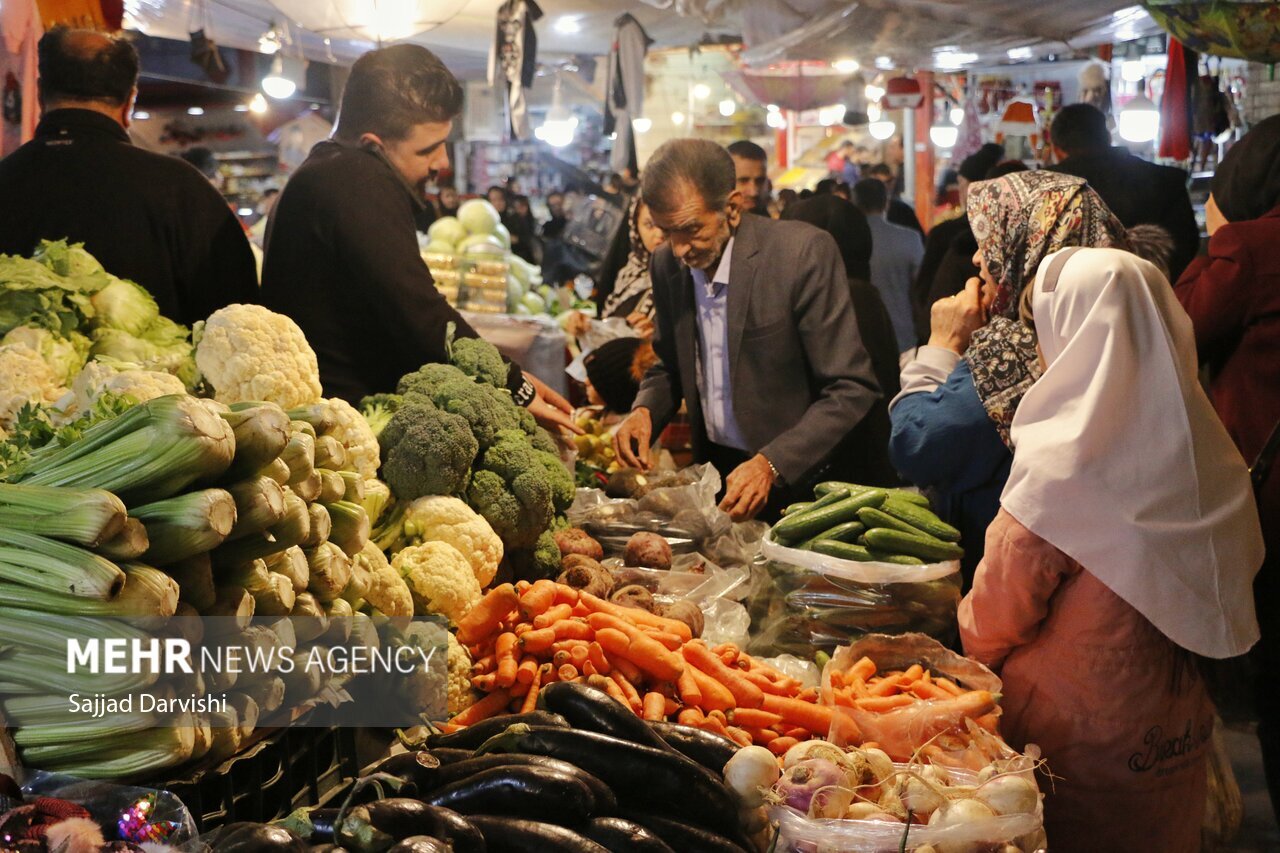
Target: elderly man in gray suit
(755,332)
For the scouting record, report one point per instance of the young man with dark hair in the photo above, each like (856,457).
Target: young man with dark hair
(896,253)
(898,212)
(342,254)
(146,217)
(751,165)
(1138,192)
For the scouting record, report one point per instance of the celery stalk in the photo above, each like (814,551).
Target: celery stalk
(56,566)
(85,517)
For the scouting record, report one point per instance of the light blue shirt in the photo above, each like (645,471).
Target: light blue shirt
(712,300)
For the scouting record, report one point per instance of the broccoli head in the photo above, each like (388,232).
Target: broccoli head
(563,488)
(480,360)
(515,493)
(542,440)
(425,378)
(426,451)
(542,561)
(485,414)
(378,409)
(527,422)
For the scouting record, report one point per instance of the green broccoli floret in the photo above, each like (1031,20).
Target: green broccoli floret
(527,422)
(426,378)
(559,523)
(542,440)
(480,360)
(512,490)
(426,451)
(542,561)
(563,488)
(378,409)
(482,411)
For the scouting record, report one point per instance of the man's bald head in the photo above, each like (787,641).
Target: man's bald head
(86,67)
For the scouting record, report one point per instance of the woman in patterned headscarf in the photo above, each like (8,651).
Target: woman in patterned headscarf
(951,420)
(632,291)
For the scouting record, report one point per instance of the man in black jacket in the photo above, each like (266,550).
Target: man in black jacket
(342,255)
(146,217)
(1138,192)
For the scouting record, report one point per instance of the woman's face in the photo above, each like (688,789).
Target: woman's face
(650,234)
(989,286)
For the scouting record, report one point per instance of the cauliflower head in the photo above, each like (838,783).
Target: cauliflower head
(440,579)
(461,696)
(249,353)
(25,377)
(65,354)
(443,519)
(388,593)
(103,377)
(353,431)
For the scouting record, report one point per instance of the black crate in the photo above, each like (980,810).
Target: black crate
(287,769)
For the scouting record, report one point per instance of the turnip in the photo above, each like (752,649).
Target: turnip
(859,811)
(956,813)
(751,772)
(800,782)
(880,762)
(919,796)
(1009,794)
(830,802)
(811,749)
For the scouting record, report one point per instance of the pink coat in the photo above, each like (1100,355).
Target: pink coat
(1118,710)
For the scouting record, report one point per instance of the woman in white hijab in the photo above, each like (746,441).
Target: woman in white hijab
(1126,545)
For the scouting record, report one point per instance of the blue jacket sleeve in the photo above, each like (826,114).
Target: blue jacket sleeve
(944,439)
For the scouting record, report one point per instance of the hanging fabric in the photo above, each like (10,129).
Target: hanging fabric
(1175,105)
(513,59)
(624,90)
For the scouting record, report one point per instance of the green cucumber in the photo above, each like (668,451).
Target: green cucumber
(828,499)
(910,497)
(829,486)
(810,522)
(873,518)
(921,518)
(896,559)
(842,550)
(847,532)
(796,507)
(897,542)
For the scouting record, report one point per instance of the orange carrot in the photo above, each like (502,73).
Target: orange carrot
(654,706)
(715,725)
(627,668)
(880,704)
(521,586)
(715,696)
(561,658)
(552,615)
(531,698)
(744,692)
(671,641)
(754,718)
(767,686)
(669,706)
(541,639)
(589,669)
(690,694)
(486,683)
(888,685)
(762,736)
(567,672)
(926,690)
(484,709)
(527,671)
(637,616)
(629,690)
(518,691)
(595,654)
(484,619)
(740,736)
(780,745)
(913,672)
(567,645)
(815,718)
(857,687)
(949,686)
(864,668)
(579,655)
(483,666)
(690,717)
(643,651)
(990,722)
(566,594)
(809,694)
(837,679)
(608,685)
(504,651)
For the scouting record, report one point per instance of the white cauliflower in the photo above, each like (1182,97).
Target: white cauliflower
(449,520)
(461,696)
(25,377)
(99,377)
(387,592)
(352,430)
(65,355)
(440,579)
(248,353)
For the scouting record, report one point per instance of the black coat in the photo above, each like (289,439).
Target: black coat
(1142,193)
(343,261)
(147,217)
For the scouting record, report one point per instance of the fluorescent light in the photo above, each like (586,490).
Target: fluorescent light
(195,111)
(677,118)
(702,91)
(141,115)
(1139,120)
(641,125)
(245,211)
(568,25)
(257,104)
(1020,53)
(953,59)
(957,115)
(276,84)
(1131,70)
(846,66)
(944,135)
(882,129)
(241,108)
(728,107)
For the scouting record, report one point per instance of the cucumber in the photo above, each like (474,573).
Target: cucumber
(842,550)
(810,522)
(828,499)
(829,486)
(796,507)
(847,532)
(897,542)
(896,559)
(873,518)
(921,518)
(910,497)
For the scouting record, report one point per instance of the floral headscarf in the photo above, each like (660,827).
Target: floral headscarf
(1019,220)
(633,278)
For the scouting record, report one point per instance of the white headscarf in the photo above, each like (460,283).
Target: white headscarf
(1120,461)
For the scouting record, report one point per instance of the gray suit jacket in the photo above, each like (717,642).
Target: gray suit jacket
(800,375)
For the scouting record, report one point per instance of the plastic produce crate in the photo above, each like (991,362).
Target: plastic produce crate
(287,769)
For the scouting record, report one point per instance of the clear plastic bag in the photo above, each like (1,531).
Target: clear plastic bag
(802,602)
(685,514)
(717,592)
(118,809)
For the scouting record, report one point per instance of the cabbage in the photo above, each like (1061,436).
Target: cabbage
(33,295)
(503,235)
(482,244)
(125,306)
(64,355)
(447,229)
(478,216)
(72,261)
(164,345)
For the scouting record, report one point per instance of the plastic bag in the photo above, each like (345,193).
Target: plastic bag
(109,804)
(801,834)
(819,602)
(715,590)
(686,514)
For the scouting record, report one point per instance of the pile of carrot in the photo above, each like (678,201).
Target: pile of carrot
(524,636)
(860,686)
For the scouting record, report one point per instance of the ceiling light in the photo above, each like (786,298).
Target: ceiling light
(258,104)
(276,84)
(775,120)
(246,211)
(1131,70)
(1139,120)
(773,108)
(560,125)
(944,135)
(846,66)
(568,25)
(873,112)
(641,125)
(702,91)
(950,60)
(241,108)
(882,129)
(957,115)
(1020,53)
(141,115)
(884,63)
(195,111)
(269,42)
(677,118)
(874,92)
(827,116)
(728,107)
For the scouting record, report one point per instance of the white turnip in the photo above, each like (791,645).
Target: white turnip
(1009,794)
(751,772)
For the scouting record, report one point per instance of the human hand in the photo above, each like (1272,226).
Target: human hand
(641,323)
(1213,218)
(577,324)
(550,409)
(631,439)
(747,488)
(953,320)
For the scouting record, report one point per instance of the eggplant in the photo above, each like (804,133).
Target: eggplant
(328,848)
(375,826)
(245,837)
(530,792)
(624,836)
(315,826)
(596,711)
(449,755)
(417,770)
(513,835)
(606,802)
(709,749)
(682,836)
(637,774)
(472,736)
(421,844)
